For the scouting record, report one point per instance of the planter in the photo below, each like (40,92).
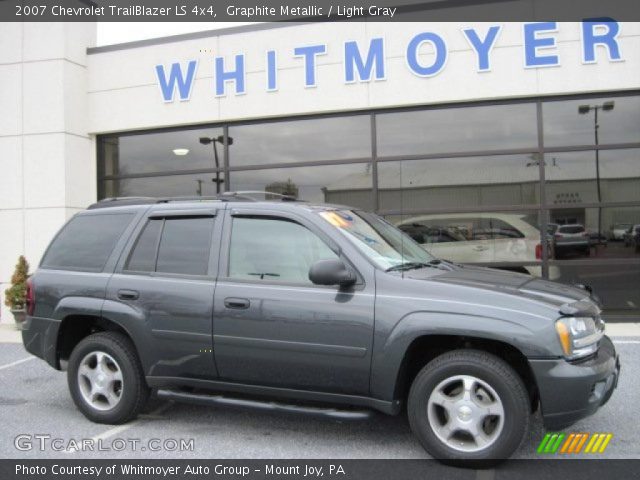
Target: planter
(19,316)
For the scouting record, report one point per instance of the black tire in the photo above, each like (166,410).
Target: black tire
(135,391)
(499,376)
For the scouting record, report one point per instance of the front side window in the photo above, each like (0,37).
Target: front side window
(173,245)
(274,249)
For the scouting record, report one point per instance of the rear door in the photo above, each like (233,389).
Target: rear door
(272,326)
(163,289)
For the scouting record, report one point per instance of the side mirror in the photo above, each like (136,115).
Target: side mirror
(331,272)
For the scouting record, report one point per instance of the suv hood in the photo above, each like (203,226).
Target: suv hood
(556,294)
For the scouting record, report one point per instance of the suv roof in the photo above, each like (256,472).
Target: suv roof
(227,197)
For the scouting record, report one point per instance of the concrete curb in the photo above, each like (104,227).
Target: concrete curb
(9,333)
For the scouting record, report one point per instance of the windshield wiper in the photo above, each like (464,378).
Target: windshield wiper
(409,266)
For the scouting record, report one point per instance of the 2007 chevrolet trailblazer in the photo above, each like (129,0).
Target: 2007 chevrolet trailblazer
(310,303)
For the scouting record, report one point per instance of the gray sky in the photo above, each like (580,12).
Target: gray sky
(121,32)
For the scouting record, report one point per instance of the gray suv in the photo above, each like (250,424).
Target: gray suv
(311,308)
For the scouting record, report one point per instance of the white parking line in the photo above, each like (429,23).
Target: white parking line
(17,362)
(121,428)
(632,342)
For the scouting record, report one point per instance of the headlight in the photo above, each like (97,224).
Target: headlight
(579,336)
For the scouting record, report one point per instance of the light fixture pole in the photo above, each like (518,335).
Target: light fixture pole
(213,141)
(583,110)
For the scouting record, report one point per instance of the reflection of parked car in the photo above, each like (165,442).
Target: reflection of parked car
(596,238)
(480,238)
(618,230)
(630,234)
(632,238)
(571,238)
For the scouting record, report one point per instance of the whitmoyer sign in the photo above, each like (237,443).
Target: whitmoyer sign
(425,56)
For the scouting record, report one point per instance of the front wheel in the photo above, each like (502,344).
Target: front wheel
(468,405)
(105,378)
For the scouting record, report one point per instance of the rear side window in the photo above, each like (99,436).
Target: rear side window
(173,245)
(86,242)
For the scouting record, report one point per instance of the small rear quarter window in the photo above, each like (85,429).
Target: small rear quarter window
(86,242)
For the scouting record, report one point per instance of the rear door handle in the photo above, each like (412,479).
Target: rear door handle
(237,303)
(128,295)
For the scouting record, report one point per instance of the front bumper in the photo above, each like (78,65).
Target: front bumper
(40,338)
(571,391)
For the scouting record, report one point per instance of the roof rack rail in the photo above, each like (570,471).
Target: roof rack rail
(241,196)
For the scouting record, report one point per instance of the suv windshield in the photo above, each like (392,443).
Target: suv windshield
(384,244)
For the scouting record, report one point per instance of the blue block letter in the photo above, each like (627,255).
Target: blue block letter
(176,78)
(532,43)
(412,54)
(483,47)
(272,72)
(591,38)
(352,58)
(309,54)
(236,76)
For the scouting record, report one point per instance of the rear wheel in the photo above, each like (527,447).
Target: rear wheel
(105,378)
(468,405)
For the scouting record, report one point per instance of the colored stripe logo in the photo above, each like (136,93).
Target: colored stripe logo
(574,443)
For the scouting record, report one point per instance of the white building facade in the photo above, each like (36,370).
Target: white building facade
(470,128)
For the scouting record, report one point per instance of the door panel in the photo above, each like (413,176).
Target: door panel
(175,322)
(163,289)
(273,327)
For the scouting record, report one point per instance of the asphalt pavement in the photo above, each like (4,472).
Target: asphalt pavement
(36,410)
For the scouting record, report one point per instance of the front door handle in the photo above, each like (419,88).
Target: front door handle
(237,303)
(480,248)
(128,295)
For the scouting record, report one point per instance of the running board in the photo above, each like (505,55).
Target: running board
(205,399)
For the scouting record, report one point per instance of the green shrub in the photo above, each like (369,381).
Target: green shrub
(16,294)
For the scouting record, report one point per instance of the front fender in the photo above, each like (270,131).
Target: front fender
(391,346)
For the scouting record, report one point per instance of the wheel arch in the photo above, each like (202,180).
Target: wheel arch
(75,327)
(425,348)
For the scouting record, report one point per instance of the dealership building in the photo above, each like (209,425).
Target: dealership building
(489,143)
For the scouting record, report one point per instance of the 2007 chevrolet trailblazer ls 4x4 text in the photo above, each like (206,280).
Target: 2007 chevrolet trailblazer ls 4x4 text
(310,303)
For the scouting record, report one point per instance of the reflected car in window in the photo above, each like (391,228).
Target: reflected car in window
(630,234)
(618,230)
(570,239)
(632,238)
(480,238)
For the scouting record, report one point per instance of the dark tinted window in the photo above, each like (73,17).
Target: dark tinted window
(572,122)
(274,250)
(143,257)
(161,152)
(456,129)
(86,242)
(341,184)
(184,246)
(300,140)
